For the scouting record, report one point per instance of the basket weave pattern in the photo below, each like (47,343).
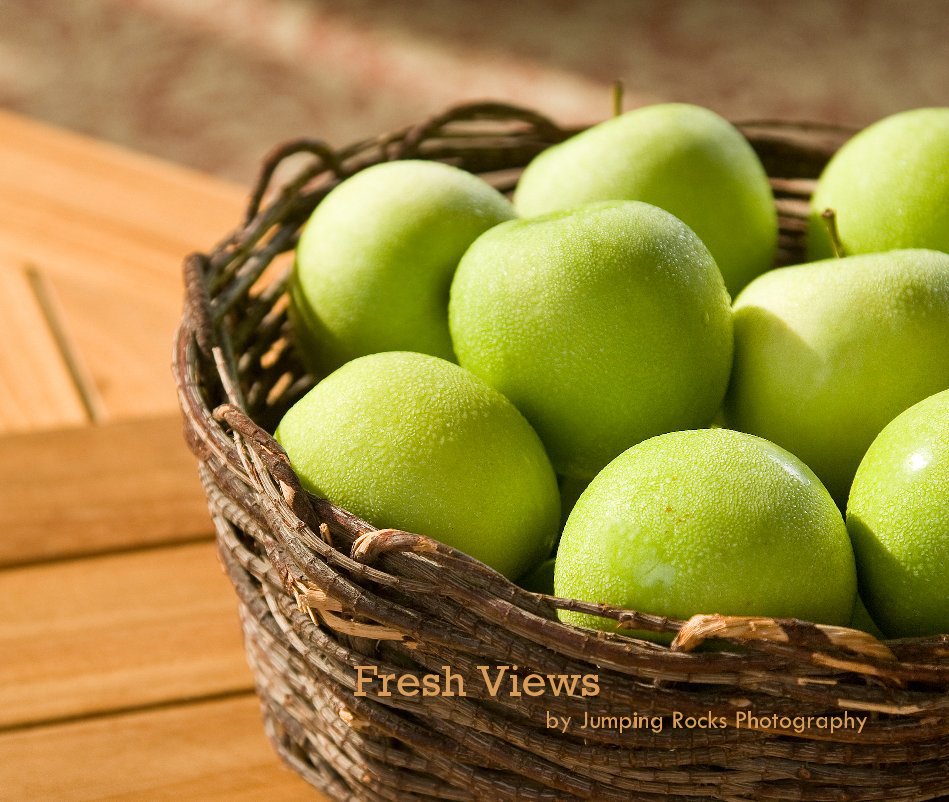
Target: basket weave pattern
(322,593)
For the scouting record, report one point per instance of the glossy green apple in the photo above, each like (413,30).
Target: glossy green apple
(707,521)
(375,260)
(828,353)
(888,187)
(605,324)
(898,517)
(413,442)
(683,158)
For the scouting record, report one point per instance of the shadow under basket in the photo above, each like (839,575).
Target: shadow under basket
(776,710)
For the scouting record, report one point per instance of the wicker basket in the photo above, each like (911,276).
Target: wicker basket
(322,593)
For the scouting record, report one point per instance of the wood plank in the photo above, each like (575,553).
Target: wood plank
(37,388)
(117,632)
(212,750)
(127,194)
(110,229)
(94,489)
(124,331)
(120,301)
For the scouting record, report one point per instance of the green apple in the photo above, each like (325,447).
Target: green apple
(828,353)
(540,579)
(682,158)
(604,324)
(861,619)
(707,521)
(413,442)
(375,260)
(888,187)
(898,517)
(570,491)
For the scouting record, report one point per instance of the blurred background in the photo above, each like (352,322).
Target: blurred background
(213,84)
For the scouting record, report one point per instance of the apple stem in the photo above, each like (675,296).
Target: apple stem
(617,97)
(830,220)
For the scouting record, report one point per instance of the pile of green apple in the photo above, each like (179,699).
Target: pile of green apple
(492,368)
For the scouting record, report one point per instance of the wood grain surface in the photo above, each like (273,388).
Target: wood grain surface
(91,489)
(37,388)
(108,230)
(117,632)
(211,750)
(122,672)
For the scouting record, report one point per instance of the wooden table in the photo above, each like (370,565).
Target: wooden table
(122,674)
